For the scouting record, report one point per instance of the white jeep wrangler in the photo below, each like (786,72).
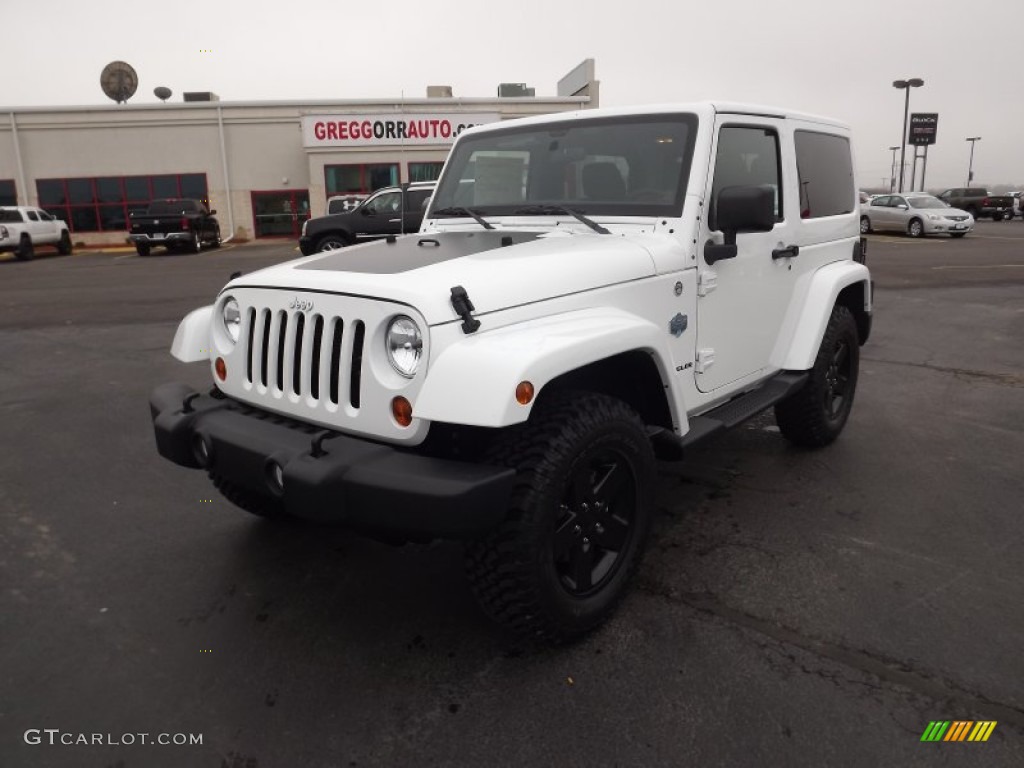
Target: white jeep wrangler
(588,291)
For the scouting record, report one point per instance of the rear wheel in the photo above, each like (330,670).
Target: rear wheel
(216,238)
(25,252)
(816,414)
(865,225)
(196,245)
(577,522)
(142,249)
(915,228)
(64,247)
(997,216)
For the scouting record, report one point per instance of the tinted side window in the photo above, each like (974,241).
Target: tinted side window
(826,174)
(417,200)
(32,215)
(748,155)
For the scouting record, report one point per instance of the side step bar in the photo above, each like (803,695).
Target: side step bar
(726,416)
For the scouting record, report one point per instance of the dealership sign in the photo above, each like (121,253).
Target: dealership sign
(923,127)
(391,129)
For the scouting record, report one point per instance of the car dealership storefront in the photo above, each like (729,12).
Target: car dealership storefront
(264,166)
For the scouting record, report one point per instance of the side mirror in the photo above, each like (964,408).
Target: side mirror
(213,211)
(736,210)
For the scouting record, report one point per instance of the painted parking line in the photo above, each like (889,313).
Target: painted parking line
(982,266)
(133,255)
(907,240)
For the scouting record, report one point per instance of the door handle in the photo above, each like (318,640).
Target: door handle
(393,221)
(788,252)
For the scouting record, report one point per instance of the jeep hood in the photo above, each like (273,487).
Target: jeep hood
(499,269)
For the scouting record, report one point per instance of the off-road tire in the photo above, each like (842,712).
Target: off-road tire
(64,247)
(261,506)
(560,455)
(25,252)
(811,417)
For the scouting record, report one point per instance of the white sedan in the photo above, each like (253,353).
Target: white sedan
(915,214)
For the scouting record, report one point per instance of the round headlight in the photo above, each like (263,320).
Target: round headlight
(231,317)
(405,345)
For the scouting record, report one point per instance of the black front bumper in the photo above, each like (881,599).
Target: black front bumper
(368,486)
(307,247)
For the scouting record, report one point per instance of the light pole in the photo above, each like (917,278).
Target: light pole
(970,167)
(914,82)
(892,174)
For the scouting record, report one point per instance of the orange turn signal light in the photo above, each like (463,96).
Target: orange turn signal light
(221,368)
(401,410)
(524,393)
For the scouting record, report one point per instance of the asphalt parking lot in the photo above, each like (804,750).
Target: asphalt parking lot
(795,608)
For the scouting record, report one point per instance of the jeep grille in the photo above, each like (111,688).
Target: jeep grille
(314,356)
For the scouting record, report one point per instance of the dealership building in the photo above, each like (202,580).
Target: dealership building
(264,166)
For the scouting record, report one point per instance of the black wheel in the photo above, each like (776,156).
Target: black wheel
(142,249)
(332,242)
(577,522)
(997,216)
(974,212)
(25,250)
(215,243)
(915,228)
(261,506)
(64,247)
(957,234)
(195,245)
(816,414)
(865,225)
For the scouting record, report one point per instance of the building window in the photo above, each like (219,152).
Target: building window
(103,204)
(425,171)
(8,195)
(359,179)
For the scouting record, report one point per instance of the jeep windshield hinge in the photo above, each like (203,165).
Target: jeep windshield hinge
(464,308)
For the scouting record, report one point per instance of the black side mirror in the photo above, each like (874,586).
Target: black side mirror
(740,209)
(367,210)
(213,211)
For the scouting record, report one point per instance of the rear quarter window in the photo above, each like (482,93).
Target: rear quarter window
(10,216)
(825,170)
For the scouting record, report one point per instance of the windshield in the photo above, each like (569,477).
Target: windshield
(620,166)
(926,201)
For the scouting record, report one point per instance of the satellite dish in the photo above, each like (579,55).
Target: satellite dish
(162,92)
(119,81)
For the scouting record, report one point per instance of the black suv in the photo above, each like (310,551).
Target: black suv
(380,215)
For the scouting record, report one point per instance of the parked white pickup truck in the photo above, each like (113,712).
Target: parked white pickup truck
(22,228)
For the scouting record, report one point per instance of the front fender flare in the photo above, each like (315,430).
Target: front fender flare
(805,325)
(192,339)
(473,381)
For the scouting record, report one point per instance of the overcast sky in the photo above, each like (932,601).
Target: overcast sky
(831,57)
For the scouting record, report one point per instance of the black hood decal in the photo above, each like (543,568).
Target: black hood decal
(403,254)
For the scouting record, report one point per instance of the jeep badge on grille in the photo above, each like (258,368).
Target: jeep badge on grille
(300,304)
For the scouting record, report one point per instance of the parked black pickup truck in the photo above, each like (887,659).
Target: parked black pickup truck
(979,203)
(174,223)
(380,215)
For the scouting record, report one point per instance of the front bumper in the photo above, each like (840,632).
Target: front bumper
(367,486)
(942,226)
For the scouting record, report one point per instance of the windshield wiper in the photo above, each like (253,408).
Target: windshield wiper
(456,210)
(540,210)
